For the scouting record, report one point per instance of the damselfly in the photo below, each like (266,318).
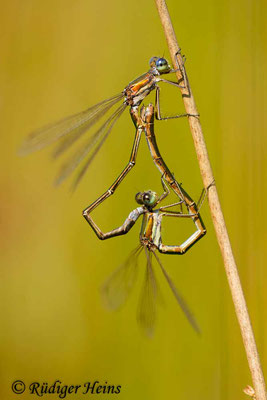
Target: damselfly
(70,129)
(119,285)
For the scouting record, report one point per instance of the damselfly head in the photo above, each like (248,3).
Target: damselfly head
(160,64)
(148,198)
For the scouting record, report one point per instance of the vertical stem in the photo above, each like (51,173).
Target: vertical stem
(217,215)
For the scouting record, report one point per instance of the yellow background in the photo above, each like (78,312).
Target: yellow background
(59,57)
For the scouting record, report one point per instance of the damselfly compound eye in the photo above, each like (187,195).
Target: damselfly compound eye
(162,65)
(147,198)
(139,198)
(150,198)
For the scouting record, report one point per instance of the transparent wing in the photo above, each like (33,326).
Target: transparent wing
(103,133)
(72,162)
(118,286)
(146,312)
(182,303)
(80,122)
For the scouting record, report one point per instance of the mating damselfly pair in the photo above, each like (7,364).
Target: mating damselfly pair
(68,131)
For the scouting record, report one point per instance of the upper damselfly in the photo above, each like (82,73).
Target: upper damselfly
(69,130)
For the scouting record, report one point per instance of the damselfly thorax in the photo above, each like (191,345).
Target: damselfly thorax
(138,89)
(150,235)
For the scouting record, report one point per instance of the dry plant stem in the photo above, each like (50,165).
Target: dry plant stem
(217,215)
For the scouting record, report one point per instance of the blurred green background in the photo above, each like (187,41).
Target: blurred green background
(59,57)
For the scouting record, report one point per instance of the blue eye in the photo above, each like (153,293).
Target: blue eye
(161,62)
(162,65)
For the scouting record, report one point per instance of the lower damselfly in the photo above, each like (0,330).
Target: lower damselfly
(69,131)
(118,287)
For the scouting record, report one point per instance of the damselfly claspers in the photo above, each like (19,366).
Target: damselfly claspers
(72,128)
(119,285)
